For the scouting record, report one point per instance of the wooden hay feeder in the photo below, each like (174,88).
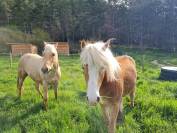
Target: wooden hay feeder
(22,48)
(168,73)
(62,47)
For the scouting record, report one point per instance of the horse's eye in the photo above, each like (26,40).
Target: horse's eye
(53,54)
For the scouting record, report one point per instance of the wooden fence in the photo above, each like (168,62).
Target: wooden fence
(62,47)
(22,48)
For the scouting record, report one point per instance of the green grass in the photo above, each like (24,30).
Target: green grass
(155,108)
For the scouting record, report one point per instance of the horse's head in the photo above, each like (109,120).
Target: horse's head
(97,60)
(50,58)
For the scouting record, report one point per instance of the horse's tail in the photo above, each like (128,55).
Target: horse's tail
(17,80)
(18,75)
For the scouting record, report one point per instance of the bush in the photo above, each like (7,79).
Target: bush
(12,34)
(39,36)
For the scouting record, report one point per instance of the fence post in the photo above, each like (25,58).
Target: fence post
(142,62)
(10,60)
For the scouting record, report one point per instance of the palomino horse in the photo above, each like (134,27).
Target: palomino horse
(108,79)
(43,70)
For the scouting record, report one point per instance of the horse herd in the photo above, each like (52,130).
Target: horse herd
(108,78)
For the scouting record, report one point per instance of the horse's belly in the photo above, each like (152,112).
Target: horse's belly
(35,76)
(129,86)
(32,68)
(33,72)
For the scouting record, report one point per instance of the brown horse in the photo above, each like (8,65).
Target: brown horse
(43,70)
(108,79)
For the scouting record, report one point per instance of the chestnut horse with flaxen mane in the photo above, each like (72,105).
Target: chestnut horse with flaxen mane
(108,79)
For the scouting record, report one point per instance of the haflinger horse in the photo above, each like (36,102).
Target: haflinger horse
(108,79)
(43,70)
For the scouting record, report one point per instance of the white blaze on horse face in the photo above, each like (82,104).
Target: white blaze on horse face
(93,88)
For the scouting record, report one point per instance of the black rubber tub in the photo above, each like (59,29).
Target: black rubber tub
(168,73)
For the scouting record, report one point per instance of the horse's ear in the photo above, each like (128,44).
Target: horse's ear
(56,46)
(83,43)
(45,43)
(107,43)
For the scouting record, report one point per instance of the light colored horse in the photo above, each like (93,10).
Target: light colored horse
(108,79)
(43,70)
(83,42)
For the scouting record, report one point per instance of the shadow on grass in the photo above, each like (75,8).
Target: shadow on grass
(82,95)
(13,111)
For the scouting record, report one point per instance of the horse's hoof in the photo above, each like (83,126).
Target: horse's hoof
(18,98)
(119,121)
(44,108)
(132,105)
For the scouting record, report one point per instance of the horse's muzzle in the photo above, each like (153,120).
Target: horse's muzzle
(45,70)
(94,103)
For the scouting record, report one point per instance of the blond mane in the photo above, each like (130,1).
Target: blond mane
(94,55)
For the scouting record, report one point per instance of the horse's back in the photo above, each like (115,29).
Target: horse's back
(28,56)
(31,60)
(126,60)
(30,64)
(128,68)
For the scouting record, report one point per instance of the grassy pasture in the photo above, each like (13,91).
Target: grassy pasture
(155,108)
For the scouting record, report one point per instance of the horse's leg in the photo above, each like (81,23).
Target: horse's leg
(37,86)
(132,96)
(105,110)
(120,114)
(114,108)
(56,89)
(20,79)
(45,99)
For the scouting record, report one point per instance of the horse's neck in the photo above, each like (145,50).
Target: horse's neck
(111,89)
